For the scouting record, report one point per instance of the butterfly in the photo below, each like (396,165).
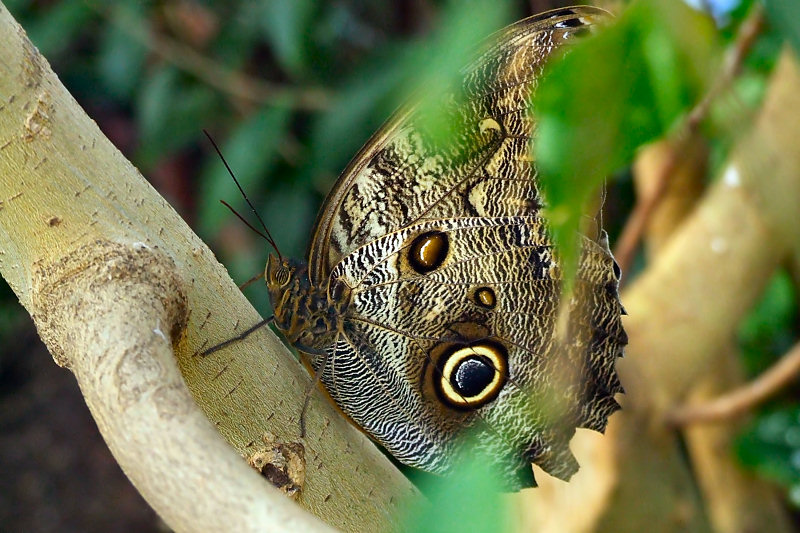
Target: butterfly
(429,303)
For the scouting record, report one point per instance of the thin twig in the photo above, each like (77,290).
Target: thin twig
(744,398)
(632,233)
(745,38)
(221,77)
(643,210)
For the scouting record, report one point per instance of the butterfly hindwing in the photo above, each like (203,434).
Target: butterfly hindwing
(498,283)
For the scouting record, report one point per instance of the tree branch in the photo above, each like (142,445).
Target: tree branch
(743,399)
(66,197)
(111,313)
(685,139)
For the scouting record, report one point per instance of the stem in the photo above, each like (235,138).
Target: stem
(745,398)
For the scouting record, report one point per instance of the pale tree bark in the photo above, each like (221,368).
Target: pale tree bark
(734,500)
(683,314)
(125,295)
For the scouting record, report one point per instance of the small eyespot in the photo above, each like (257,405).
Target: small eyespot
(485,297)
(471,376)
(428,251)
(488,124)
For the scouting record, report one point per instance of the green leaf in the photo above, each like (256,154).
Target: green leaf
(785,16)
(121,56)
(251,150)
(771,447)
(361,105)
(768,330)
(239,36)
(421,73)
(611,93)
(286,25)
(171,113)
(436,65)
(55,30)
(468,499)
(392,78)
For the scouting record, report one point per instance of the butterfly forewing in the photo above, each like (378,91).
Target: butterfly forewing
(394,179)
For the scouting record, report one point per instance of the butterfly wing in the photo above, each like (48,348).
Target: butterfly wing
(393,180)
(453,284)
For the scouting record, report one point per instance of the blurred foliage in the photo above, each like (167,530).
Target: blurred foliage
(658,61)
(783,14)
(468,500)
(770,329)
(291,89)
(771,448)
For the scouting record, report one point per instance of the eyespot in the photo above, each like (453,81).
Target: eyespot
(488,124)
(471,376)
(485,297)
(428,251)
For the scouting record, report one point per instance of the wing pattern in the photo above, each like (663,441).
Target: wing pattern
(494,284)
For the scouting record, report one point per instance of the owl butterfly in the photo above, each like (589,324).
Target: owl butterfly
(429,302)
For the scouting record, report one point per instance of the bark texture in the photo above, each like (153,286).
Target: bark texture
(116,282)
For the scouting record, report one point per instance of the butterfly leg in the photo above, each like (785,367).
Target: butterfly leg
(250,281)
(310,390)
(243,335)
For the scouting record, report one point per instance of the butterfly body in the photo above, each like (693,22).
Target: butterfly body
(429,303)
(307,315)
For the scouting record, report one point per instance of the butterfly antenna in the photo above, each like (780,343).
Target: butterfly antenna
(246,223)
(266,235)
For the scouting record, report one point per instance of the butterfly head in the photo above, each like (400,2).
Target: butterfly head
(279,272)
(304,313)
(286,278)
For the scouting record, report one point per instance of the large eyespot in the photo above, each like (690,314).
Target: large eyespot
(428,251)
(471,376)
